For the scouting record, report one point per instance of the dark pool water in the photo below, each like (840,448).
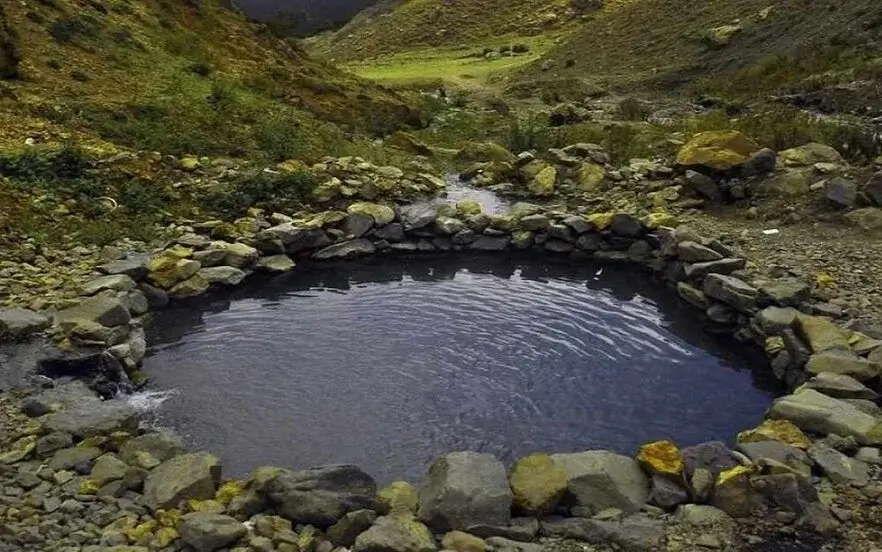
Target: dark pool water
(391,363)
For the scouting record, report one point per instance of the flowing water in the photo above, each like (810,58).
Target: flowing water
(390,363)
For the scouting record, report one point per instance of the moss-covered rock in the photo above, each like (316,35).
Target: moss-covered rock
(537,483)
(484,152)
(544,182)
(168,268)
(381,214)
(396,534)
(718,150)
(468,207)
(457,541)
(590,176)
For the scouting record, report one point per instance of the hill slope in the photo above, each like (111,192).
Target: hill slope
(394,26)
(182,76)
(753,43)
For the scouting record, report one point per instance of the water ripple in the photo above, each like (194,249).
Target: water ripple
(391,373)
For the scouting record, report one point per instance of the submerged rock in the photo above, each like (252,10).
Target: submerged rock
(464,489)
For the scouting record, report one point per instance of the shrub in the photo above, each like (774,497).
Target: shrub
(69,29)
(632,109)
(279,136)
(520,48)
(271,191)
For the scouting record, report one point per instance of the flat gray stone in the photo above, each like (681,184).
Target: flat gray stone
(114,282)
(207,532)
(730,290)
(17,324)
(816,412)
(843,363)
(96,418)
(838,467)
(764,451)
(490,243)
(840,386)
(774,320)
(637,533)
(414,217)
(133,268)
(723,266)
(275,263)
(346,250)
(223,275)
(396,534)
(691,252)
(106,311)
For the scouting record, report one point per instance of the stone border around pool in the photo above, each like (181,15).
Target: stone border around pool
(829,425)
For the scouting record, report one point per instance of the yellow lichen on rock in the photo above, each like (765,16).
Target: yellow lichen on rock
(89,487)
(543,183)
(538,483)
(399,496)
(659,219)
(661,458)
(782,431)
(719,150)
(458,541)
(228,491)
(601,221)
(141,533)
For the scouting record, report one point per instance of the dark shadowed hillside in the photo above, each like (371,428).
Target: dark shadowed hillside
(301,17)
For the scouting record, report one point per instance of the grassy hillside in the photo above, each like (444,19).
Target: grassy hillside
(396,26)
(176,77)
(96,95)
(738,46)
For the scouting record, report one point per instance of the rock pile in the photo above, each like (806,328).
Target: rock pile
(78,474)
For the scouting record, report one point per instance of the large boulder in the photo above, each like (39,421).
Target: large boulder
(484,152)
(600,479)
(813,411)
(464,489)
(321,496)
(17,324)
(207,532)
(840,386)
(718,151)
(181,478)
(396,534)
(538,484)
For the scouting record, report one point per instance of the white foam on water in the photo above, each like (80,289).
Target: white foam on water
(149,400)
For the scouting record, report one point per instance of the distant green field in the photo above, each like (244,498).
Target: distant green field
(461,65)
